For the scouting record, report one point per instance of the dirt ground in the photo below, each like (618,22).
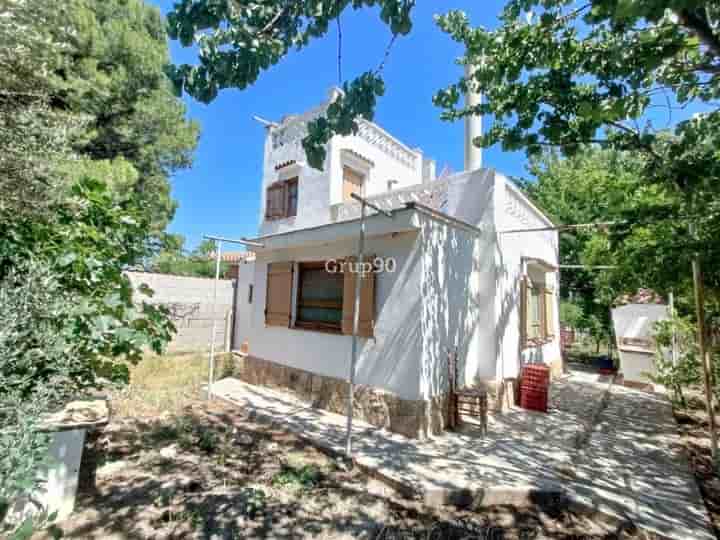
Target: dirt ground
(213,473)
(170,466)
(694,429)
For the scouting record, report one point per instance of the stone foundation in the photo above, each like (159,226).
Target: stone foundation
(501,394)
(411,418)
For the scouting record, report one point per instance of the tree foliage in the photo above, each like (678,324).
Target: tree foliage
(175,260)
(237,41)
(89,132)
(112,75)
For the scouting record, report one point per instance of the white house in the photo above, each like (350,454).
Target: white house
(449,276)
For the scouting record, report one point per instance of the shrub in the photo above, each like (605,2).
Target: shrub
(305,477)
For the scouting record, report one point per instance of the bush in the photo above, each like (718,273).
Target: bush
(305,477)
(68,319)
(688,371)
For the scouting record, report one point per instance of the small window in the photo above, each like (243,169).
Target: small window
(319,298)
(352,183)
(539,314)
(292,197)
(281,199)
(535,313)
(250,293)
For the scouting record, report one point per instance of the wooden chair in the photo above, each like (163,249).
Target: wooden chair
(471,402)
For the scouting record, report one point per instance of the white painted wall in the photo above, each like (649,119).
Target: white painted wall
(390,360)
(318,190)
(392,161)
(243,305)
(458,290)
(514,211)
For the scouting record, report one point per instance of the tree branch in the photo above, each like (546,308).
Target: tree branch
(701,28)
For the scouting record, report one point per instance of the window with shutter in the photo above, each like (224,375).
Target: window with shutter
(278,300)
(549,318)
(281,199)
(291,193)
(366,327)
(274,207)
(352,183)
(532,313)
(319,297)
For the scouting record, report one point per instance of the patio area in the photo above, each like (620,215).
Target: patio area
(525,455)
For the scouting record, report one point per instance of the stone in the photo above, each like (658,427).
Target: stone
(169,452)
(412,418)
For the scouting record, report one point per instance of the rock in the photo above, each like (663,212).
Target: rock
(244,439)
(169,452)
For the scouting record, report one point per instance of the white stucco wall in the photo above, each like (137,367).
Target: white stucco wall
(319,189)
(513,211)
(458,289)
(390,360)
(392,160)
(313,185)
(243,306)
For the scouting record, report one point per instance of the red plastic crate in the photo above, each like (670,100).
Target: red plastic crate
(533,381)
(534,398)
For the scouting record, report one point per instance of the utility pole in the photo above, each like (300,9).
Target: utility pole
(702,345)
(356,315)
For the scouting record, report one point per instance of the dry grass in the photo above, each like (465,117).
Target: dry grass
(163,384)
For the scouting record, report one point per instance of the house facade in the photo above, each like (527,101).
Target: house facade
(445,275)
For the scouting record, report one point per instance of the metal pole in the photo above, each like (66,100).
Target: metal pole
(211,370)
(356,325)
(674,332)
(702,346)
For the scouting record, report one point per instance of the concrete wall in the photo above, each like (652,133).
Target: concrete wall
(189,300)
(391,359)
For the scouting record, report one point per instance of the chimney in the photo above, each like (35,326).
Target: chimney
(473,125)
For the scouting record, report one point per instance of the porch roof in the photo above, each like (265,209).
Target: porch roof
(403,219)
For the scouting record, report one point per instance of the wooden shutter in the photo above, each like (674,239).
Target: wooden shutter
(366,326)
(275,201)
(549,313)
(291,197)
(278,301)
(524,311)
(352,183)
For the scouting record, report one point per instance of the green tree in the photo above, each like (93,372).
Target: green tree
(33,136)
(173,259)
(112,75)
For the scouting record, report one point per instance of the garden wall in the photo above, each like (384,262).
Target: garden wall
(189,300)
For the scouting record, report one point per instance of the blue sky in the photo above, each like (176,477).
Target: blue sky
(220,194)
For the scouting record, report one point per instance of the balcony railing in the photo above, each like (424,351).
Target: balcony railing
(432,194)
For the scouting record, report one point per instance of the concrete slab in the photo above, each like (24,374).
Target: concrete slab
(586,447)
(634,467)
(523,452)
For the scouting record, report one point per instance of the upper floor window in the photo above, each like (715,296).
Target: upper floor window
(282,199)
(352,183)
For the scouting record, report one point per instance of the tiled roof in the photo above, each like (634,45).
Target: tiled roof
(642,296)
(234,256)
